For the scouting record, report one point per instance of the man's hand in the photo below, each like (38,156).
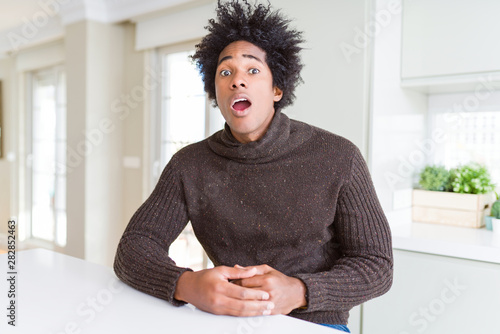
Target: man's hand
(210,291)
(287,293)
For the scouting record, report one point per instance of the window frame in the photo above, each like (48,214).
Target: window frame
(155,121)
(27,235)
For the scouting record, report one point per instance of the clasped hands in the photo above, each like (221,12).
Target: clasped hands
(241,291)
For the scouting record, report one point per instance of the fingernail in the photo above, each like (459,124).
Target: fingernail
(266,312)
(270,306)
(238,266)
(265,296)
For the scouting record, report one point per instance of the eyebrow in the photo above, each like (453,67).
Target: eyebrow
(244,55)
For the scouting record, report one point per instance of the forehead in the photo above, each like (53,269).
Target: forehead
(241,49)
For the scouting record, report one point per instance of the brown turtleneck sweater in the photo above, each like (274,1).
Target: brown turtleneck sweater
(300,200)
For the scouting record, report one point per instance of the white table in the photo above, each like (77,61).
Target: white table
(59,294)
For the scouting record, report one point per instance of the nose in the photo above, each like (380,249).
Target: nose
(238,81)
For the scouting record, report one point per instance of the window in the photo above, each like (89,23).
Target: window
(183,105)
(466,133)
(185,117)
(46,186)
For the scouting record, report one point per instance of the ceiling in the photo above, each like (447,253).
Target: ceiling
(48,17)
(13,11)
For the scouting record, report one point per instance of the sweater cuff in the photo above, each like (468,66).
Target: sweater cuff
(172,300)
(314,293)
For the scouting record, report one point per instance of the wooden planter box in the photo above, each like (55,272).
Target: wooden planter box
(447,208)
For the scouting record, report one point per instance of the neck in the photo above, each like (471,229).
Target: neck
(246,138)
(279,139)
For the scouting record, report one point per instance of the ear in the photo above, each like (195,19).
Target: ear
(278,94)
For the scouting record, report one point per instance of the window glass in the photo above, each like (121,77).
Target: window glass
(48,148)
(186,117)
(469,137)
(183,104)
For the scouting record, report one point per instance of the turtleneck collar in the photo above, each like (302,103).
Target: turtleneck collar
(282,136)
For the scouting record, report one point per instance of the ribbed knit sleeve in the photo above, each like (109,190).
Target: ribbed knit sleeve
(142,259)
(364,270)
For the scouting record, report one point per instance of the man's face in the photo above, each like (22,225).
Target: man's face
(244,90)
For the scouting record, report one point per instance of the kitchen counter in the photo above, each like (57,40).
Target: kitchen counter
(459,242)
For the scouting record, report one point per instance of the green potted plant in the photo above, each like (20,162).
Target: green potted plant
(495,214)
(471,179)
(489,218)
(460,196)
(435,178)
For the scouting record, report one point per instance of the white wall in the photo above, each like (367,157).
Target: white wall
(76,68)
(97,77)
(8,134)
(335,95)
(95,67)
(136,77)
(102,66)
(399,115)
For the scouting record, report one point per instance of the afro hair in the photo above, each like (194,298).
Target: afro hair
(259,25)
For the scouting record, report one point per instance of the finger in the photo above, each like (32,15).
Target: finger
(260,270)
(236,273)
(252,282)
(235,281)
(244,293)
(246,308)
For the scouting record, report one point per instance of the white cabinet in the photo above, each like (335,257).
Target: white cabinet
(436,294)
(449,38)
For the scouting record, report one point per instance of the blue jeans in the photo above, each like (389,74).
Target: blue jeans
(339,327)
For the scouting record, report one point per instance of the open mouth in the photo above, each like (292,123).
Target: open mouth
(241,104)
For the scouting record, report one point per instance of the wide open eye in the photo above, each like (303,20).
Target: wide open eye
(253,71)
(225,73)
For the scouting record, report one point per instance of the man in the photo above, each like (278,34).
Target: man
(287,212)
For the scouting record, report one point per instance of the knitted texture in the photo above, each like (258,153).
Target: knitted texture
(300,200)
